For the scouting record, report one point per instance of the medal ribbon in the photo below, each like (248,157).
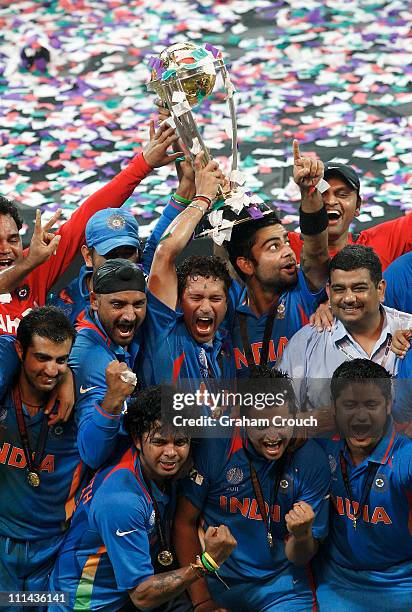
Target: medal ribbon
(372,469)
(257,489)
(33,463)
(164,545)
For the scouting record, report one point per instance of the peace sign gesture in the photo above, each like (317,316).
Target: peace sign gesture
(307,172)
(43,243)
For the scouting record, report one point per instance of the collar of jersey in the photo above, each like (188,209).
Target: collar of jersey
(339,331)
(244,307)
(91,322)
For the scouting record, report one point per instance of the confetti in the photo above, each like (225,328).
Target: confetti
(338,80)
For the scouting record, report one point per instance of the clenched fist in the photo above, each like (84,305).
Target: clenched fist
(219,543)
(299,520)
(121,382)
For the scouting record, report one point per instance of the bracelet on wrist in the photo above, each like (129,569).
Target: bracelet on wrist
(313,223)
(204,198)
(211,561)
(207,565)
(192,205)
(181,199)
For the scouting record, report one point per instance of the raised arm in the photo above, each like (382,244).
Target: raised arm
(307,173)
(177,203)
(163,278)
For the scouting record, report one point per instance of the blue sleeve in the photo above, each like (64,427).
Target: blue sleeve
(235,298)
(123,531)
(206,456)
(159,316)
(398,276)
(315,485)
(402,406)
(97,430)
(310,301)
(8,356)
(170,212)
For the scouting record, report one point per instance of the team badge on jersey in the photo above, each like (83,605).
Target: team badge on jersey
(380,483)
(22,292)
(152,519)
(115,222)
(285,485)
(234,475)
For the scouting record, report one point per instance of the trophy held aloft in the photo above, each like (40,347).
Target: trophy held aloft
(182,76)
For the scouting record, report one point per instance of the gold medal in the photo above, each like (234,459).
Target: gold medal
(354,522)
(270,540)
(165,558)
(280,313)
(33,479)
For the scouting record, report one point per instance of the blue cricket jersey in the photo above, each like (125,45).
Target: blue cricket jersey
(402,407)
(28,513)
(9,363)
(220,487)
(36,513)
(171,353)
(112,542)
(92,352)
(294,309)
(376,556)
(398,276)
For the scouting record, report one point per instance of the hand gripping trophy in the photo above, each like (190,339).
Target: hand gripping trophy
(182,76)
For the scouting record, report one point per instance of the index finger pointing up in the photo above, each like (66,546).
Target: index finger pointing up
(296,152)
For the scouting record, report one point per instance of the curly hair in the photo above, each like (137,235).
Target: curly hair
(47,322)
(7,207)
(201,265)
(356,256)
(361,371)
(149,408)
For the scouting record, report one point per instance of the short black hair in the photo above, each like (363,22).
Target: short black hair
(354,257)
(150,407)
(47,322)
(205,266)
(243,238)
(264,374)
(360,371)
(8,207)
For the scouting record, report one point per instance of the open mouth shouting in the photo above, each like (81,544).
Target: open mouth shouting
(273,447)
(334,216)
(126,330)
(204,326)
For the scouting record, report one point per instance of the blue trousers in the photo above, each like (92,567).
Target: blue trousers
(25,566)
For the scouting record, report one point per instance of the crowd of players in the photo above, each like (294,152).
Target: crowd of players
(105,504)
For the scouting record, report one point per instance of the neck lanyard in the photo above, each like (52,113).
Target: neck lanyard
(242,318)
(257,489)
(372,469)
(206,370)
(165,556)
(384,358)
(33,460)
